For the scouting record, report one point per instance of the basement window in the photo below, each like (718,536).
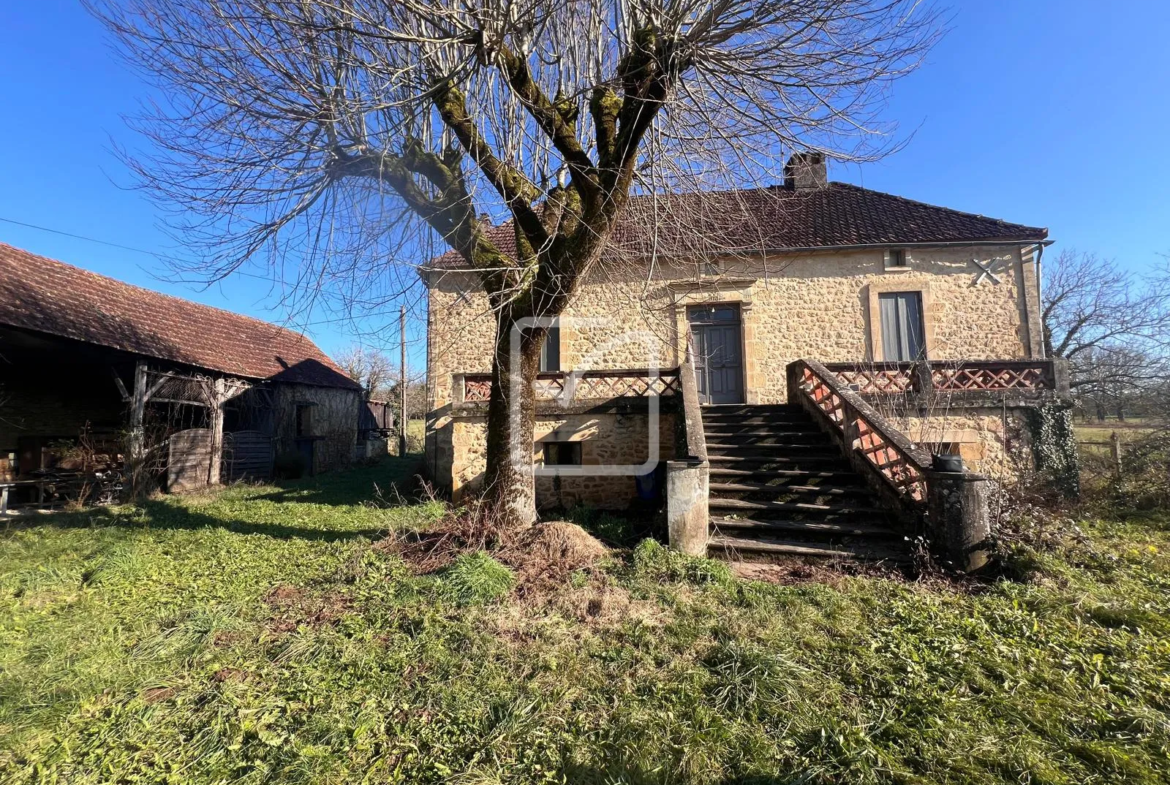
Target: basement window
(895,259)
(562,453)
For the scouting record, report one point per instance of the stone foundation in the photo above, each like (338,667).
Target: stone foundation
(607,439)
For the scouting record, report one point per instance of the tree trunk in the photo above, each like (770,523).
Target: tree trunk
(509,487)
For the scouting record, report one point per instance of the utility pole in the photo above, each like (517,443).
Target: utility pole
(402,381)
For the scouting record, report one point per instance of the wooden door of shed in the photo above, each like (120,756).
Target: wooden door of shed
(247,455)
(189,460)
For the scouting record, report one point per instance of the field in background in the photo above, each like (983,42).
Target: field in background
(261,635)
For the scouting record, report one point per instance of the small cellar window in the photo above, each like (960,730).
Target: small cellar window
(562,453)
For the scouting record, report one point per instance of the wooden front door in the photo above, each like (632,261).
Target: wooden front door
(715,333)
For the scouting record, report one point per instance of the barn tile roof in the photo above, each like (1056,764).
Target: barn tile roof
(52,297)
(782,218)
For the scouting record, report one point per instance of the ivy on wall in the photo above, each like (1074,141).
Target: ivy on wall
(1054,447)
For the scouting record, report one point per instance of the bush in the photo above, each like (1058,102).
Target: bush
(289,466)
(653,560)
(477,578)
(1145,479)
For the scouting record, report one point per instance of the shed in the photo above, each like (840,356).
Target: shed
(94,371)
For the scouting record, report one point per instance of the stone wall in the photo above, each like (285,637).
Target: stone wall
(607,440)
(992,442)
(814,305)
(817,305)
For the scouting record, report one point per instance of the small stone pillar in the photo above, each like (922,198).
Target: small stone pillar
(960,522)
(687,518)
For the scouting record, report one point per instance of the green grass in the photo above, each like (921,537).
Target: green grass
(1131,430)
(477,578)
(259,636)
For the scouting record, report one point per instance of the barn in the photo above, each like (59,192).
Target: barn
(101,379)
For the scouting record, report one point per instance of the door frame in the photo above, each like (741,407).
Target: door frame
(739,324)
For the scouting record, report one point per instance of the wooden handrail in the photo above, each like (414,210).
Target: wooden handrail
(872,445)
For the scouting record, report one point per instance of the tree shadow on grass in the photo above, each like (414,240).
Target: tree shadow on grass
(162,515)
(394,478)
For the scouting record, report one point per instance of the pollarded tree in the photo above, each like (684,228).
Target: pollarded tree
(356,130)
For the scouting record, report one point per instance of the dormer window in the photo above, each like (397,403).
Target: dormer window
(896,259)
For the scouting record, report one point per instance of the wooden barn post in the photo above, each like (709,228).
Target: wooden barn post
(218,397)
(138,412)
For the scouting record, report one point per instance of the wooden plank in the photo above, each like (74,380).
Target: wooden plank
(189,459)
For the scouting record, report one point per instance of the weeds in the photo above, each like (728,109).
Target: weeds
(476,579)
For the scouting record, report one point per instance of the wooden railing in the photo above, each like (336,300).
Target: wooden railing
(871,444)
(949,376)
(581,385)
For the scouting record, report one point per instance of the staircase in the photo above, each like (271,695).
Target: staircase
(780,487)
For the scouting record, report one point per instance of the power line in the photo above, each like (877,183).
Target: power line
(83,237)
(164,257)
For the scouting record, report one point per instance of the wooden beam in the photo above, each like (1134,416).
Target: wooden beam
(218,398)
(138,412)
(121,387)
(166,377)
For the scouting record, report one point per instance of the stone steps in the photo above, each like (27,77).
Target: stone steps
(779,486)
(736,548)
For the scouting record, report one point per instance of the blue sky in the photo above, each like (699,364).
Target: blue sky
(1046,113)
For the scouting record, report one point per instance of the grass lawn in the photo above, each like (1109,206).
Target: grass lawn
(259,636)
(1131,430)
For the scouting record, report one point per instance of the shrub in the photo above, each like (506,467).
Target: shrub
(477,578)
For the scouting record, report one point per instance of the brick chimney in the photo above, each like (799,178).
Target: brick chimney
(806,171)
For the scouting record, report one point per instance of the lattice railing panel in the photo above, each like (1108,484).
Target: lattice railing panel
(586,385)
(477,388)
(969,375)
(869,381)
(880,450)
(992,377)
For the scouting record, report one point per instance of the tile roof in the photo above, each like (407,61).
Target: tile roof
(782,218)
(52,297)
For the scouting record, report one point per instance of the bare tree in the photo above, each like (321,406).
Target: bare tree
(370,368)
(1111,325)
(346,135)
(1091,304)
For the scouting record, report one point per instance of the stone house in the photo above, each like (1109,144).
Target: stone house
(203,393)
(928,315)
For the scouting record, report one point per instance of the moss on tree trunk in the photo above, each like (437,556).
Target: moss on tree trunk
(509,487)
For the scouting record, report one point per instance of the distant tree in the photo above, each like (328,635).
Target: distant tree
(363,129)
(1111,325)
(371,368)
